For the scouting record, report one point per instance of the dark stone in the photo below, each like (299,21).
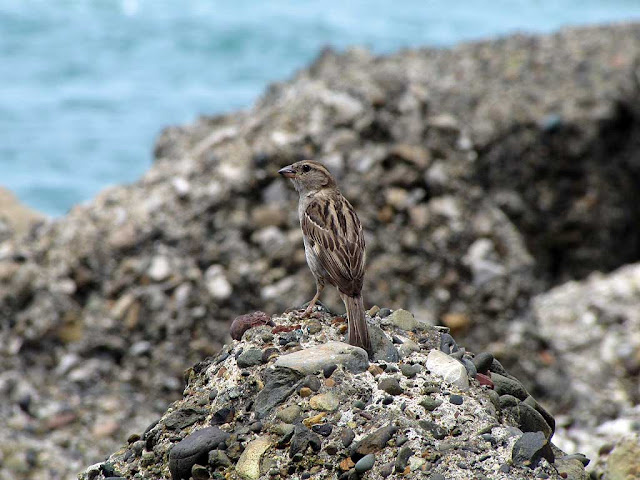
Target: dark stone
(312,382)
(448,344)
(183,418)
(387,400)
(386,469)
(401,440)
(506,386)
(244,322)
(249,358)
(530,448)
(331,449)
(217,458)
(359,404)
(279,383)
(302,439)
(346,436)
(365,463)
(373,442)
(224,415)
(546,415)
(256,427)
(437,476)
(323,429)
(581,457)
(410,371)
(496,367)
(456,399)
(434,429)
(198,472)
(470,367)
(528,419)
(402,459)
(384,312)
(482,362)
(268,353)
(328,371)
(430,403)
(506,401)
(194,449)
(391,386)
(383,348)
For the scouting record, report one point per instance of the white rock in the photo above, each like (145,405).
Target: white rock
(248,466)
(160,268)
(314,359)
(217,283)
(449,368)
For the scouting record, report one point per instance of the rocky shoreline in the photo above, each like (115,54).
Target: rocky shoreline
(492,180)
(290,400)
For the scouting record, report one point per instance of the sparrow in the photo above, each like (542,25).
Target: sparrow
(333,242)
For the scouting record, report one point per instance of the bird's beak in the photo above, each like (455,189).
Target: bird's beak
(287,172)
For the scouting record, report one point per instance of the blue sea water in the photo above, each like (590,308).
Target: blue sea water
(86,85)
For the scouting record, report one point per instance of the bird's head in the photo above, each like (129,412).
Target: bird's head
(308,176)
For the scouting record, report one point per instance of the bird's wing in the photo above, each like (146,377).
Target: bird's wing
(336,236)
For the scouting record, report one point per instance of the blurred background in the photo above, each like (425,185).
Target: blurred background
(85,85)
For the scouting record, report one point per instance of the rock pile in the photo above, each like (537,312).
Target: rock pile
(483,175)
(288,403)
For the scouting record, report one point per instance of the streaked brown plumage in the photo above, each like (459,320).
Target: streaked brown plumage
(333,242)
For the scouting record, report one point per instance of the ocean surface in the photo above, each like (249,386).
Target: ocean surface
(86,85)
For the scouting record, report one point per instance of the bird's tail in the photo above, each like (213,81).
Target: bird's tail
(358,332)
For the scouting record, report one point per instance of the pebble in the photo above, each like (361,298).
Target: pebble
(384,312)
(316,359)
(383,348)
(323,429)
(194,449)
(250,358)
(448,344)
(456,399)
(410,371)
(279,384)
(386,469)
(327,402)
(289,414)
(402,459)
(217,458)
(403,319)
(374,441)
(269,353)
(506,386)
(433,428)
(449,369)
(437,476)
(472,372)
(365,463)
(482,361)
(182,418)
(248,466)
(530,448)
(328,370)
(305,392)
(198,472)
(391,386)
(346,436)
(528,419)
(302,439)
(430,403)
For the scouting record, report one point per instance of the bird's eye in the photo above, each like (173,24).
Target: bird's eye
(306,168)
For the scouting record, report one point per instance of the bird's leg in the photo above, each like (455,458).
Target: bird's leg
(309,309)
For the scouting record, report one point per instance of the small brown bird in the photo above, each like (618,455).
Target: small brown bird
(333,242)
